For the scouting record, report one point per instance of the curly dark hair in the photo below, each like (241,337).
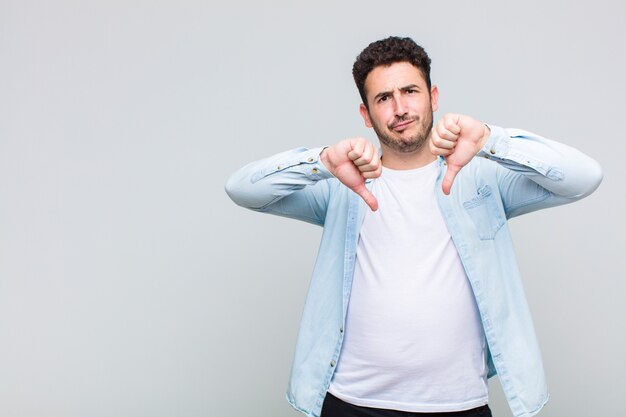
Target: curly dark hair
(386,52)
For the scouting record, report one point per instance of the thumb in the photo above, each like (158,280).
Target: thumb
(368,197)
(448,179)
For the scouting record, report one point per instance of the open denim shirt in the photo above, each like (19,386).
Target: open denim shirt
(516,172)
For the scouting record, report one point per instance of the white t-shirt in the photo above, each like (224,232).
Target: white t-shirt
(413,337)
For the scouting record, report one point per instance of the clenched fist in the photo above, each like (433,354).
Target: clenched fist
(458,138)
(352,161)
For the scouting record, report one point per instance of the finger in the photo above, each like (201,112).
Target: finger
(372,174)
(446,142)
(448,179)
(441,137)
(451,123)
(373,165)
(439,146)
(368,197)
(441,151)
(446,134)
(366,156)
(357,149)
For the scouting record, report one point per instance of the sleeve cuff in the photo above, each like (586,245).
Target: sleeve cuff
(497,146)
(302,161)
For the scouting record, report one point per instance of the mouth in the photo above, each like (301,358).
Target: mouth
(402,125)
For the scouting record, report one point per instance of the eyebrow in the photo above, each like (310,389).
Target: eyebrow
(405,88)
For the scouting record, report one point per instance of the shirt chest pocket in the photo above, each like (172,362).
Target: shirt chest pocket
(485,213)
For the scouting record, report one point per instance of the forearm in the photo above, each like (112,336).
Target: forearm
(261,183)
(560,169)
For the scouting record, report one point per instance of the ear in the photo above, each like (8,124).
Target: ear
(434,98)
(365,114)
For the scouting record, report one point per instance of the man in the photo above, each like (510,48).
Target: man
(417,300)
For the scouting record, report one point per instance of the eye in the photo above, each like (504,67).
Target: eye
(382,99)
(411,91)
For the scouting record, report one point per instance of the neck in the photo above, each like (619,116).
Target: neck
(411,160)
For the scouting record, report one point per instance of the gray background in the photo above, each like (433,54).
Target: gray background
(131,286)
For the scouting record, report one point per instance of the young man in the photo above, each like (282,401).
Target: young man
(416,301)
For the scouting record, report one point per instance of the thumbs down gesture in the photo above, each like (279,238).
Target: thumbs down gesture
(458,139)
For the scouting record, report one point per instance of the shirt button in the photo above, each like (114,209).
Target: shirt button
(315,170)
(278,167)
(310,160)
(332,363)
(493,151)
(341,330)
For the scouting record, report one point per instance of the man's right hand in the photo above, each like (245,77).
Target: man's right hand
(352,161)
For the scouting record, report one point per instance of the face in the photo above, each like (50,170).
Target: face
(400,107)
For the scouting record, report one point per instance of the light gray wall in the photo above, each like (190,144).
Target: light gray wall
(131,286)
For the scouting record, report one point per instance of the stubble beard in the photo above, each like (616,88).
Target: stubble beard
(409,144)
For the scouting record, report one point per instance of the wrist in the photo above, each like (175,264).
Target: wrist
(324,158)
(485,137)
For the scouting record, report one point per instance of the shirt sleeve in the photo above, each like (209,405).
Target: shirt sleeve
(538,172)
(287,184)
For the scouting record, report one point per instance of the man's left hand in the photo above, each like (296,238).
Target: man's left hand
(458,138)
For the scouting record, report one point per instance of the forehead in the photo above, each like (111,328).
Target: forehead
(393,76)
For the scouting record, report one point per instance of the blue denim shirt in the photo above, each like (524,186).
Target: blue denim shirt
(516,172)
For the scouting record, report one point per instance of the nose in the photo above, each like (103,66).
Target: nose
(401,105)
